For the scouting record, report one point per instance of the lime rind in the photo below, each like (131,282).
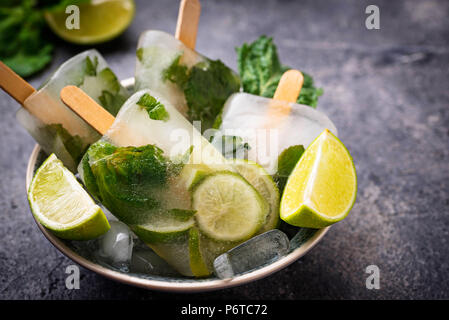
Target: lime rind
(164,229)
(197,263)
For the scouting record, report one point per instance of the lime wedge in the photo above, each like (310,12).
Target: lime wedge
(264,184)
(99,21)
(228,207)
(197,264)
(61,204)
(322,188)
(166,226)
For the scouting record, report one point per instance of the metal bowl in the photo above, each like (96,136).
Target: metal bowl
(300,244)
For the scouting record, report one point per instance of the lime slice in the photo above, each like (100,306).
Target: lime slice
(191,174)
(322,188)
(99,21)
(228,207)
(197,264)
(264,184)
(61,204)
(166,226)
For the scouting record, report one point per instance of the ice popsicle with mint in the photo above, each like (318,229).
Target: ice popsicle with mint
(52,124)
(268,127)
(155,172)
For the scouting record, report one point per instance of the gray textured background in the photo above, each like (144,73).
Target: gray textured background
(386,90)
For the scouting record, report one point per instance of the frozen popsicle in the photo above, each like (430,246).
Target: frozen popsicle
(196,85)
(54,126)
(269,126)
(156,172)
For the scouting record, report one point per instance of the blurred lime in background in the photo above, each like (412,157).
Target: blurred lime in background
(99,21)
(26,45)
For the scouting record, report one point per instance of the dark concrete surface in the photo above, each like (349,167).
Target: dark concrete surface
(386,90)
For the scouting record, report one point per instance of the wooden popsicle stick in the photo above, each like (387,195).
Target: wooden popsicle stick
(86,107)
(286,92)
(14,85)
(289,86)
(188,19)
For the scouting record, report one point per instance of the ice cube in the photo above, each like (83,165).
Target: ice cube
(258,251)
(116,246)
(144,260)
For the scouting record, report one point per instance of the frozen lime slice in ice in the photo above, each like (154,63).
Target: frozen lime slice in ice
(165,226)
(197,264)
(264,184)
(228,207)
(61,204)
(99,21)
(322,188)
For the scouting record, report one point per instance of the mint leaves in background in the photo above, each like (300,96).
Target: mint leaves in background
(25,46)
(260,71)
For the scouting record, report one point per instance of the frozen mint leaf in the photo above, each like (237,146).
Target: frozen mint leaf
(260,71)
(139,54)
(208,87)
(126,179)
(155,109)
(73,144)
(108,77)
(111,102)
(231,146)
(176,73)
(90,67)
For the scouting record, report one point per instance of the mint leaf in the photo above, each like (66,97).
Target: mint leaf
(73,144)
(208,87)
(139,54)
(155,109)
(90,67)
(176,73)
(287,161)
(230,146)
(260,71)
(126,179)
(26,64)
(111,102)
(24,45)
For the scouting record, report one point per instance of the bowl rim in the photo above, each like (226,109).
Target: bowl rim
(160,285)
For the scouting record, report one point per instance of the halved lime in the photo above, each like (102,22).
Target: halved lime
(61,204)
(99,21)
(228,207)
(197,264)
(165,226)
(322,188)
(264,184)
